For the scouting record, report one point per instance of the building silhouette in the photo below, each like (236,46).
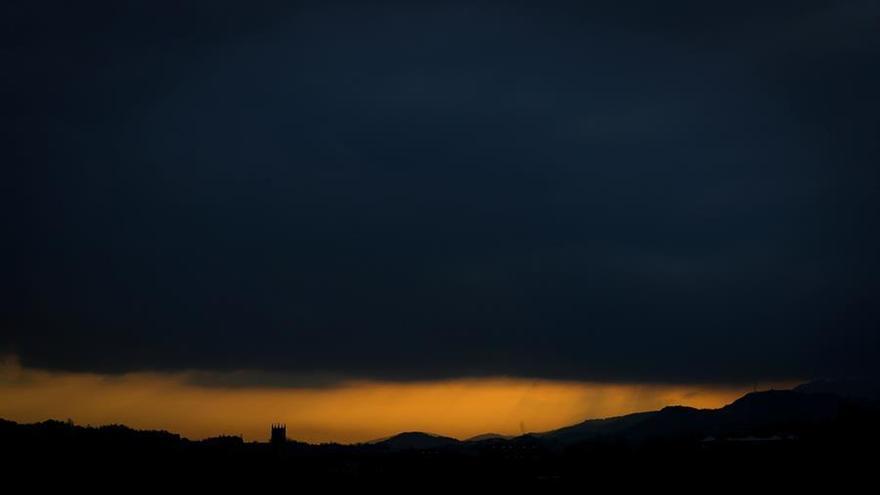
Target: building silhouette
(279,434)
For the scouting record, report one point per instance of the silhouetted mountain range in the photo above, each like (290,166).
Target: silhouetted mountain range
(775,412)
(818,423)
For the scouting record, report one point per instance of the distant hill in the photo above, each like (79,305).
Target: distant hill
(594,428)
(415,440)
(765,413)
(851,387)
(488,436)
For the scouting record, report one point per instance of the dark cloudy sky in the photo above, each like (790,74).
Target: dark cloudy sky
(681,191)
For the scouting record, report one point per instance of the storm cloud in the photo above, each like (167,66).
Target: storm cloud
(649,191)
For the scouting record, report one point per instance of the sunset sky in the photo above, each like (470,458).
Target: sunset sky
(350,411)
(462,216)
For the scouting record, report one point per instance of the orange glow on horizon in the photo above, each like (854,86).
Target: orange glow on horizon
(352,411)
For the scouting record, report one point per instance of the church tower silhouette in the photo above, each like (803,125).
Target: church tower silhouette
(279,434)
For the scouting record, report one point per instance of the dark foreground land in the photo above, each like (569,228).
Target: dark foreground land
(811,437)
